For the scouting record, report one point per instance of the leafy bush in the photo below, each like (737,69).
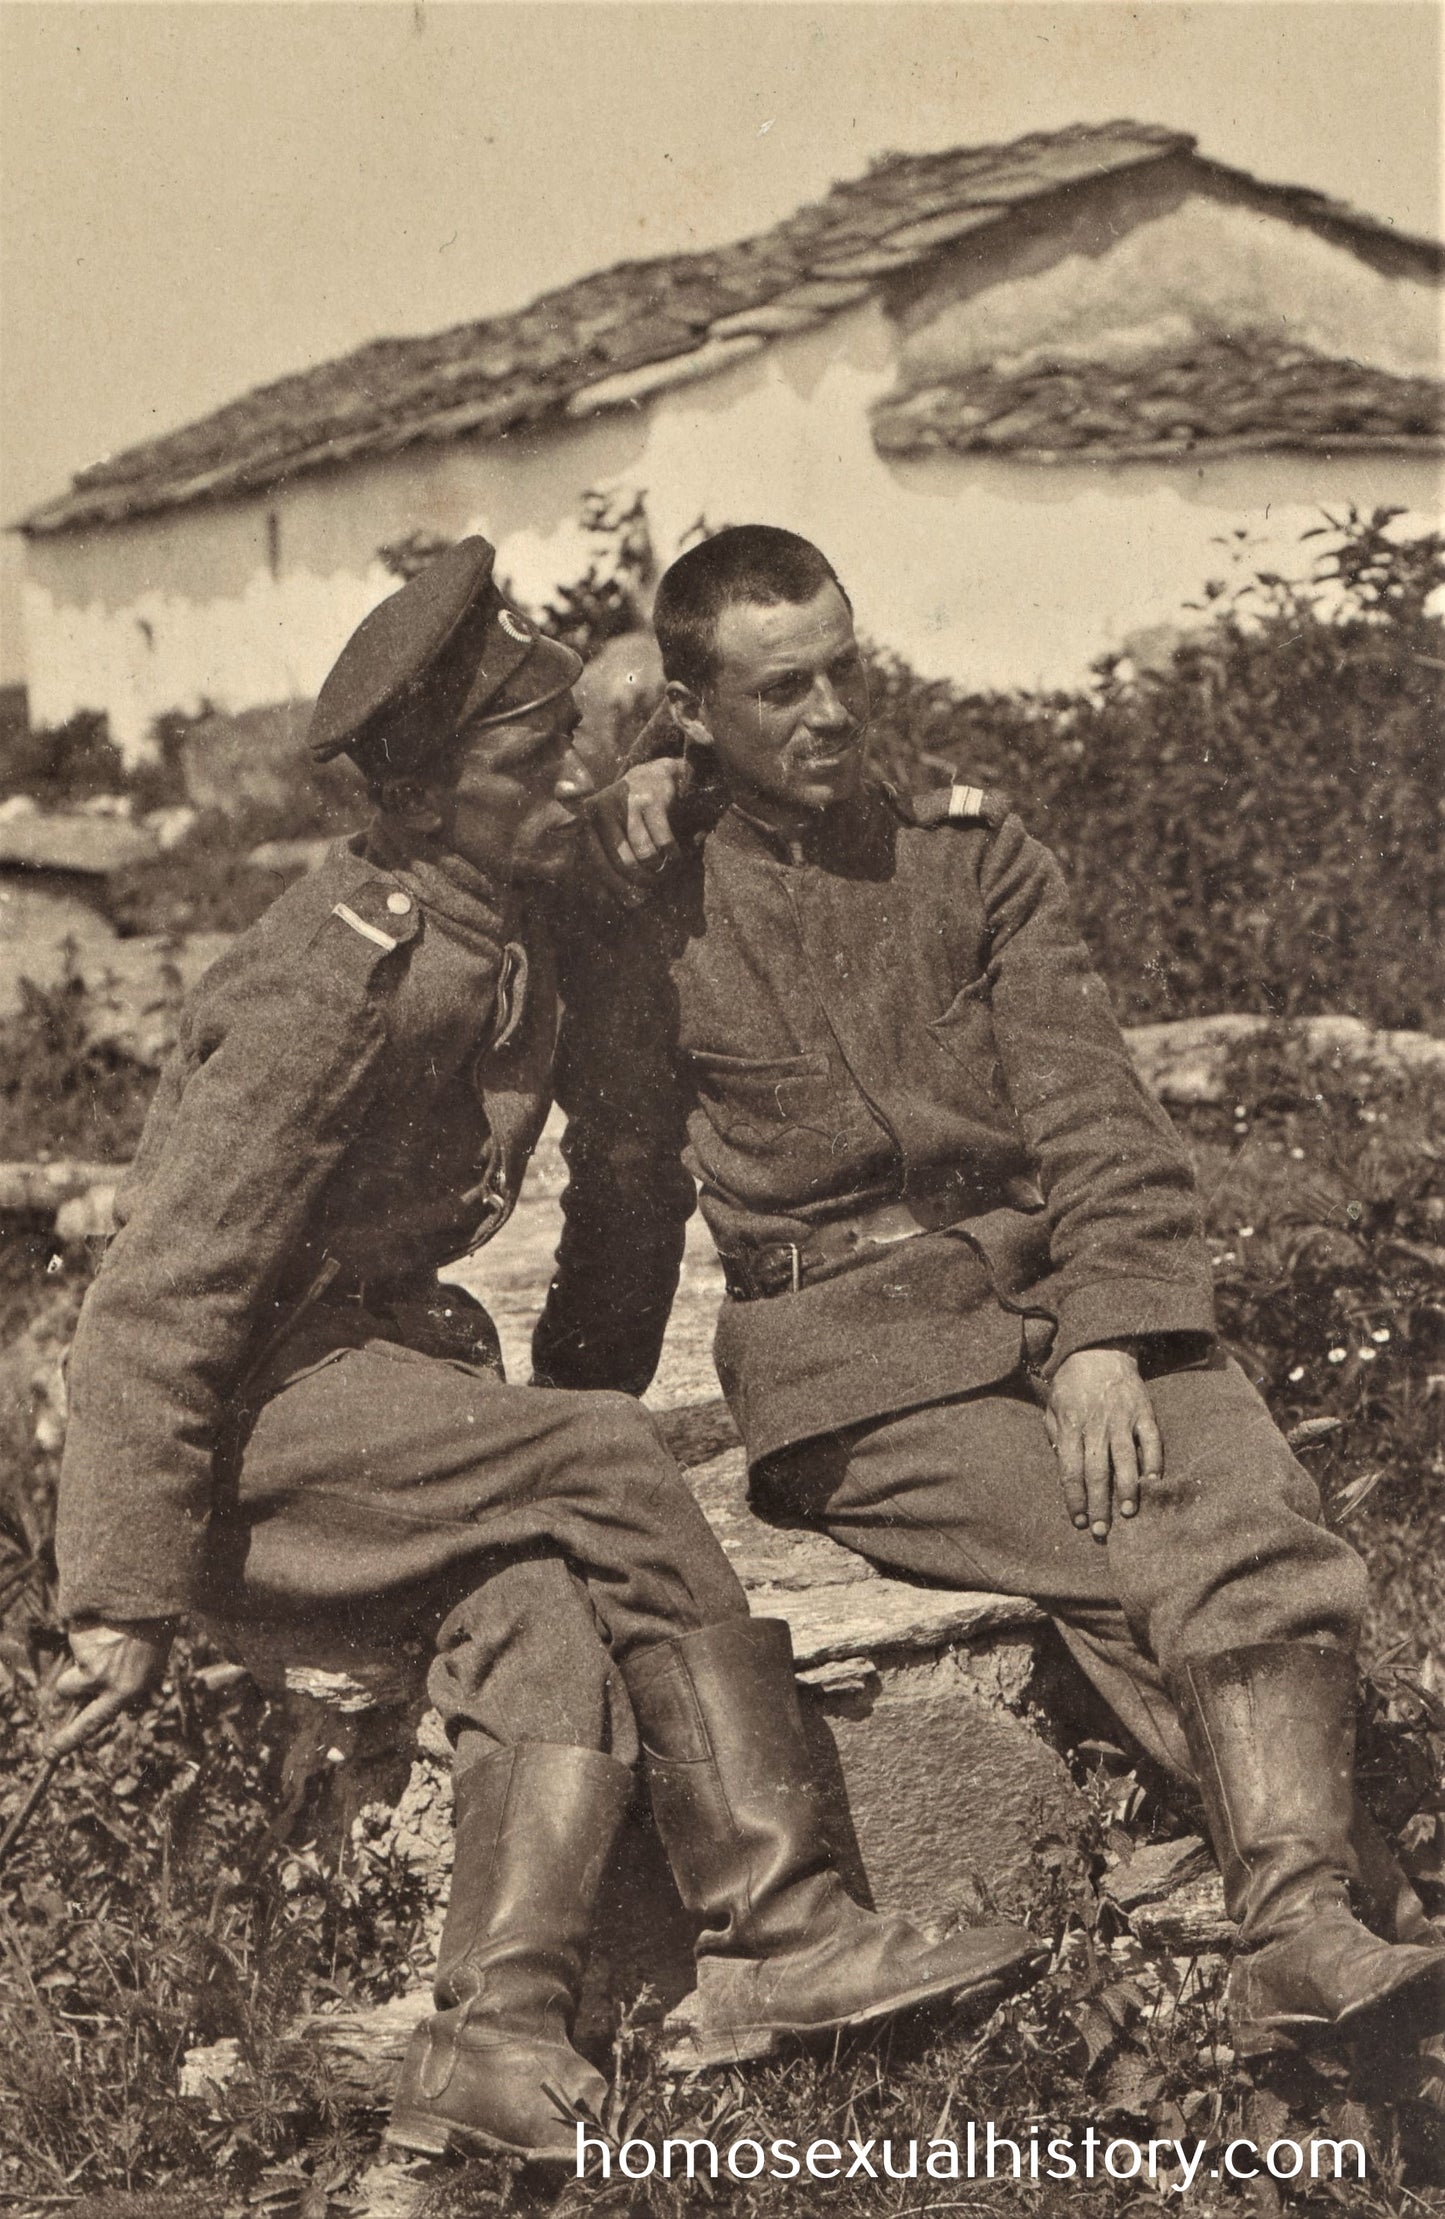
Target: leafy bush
(1254,827)
(60,1095)
(60,765)
(1322,1184)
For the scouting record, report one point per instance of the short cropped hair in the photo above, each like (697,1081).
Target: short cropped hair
(747,562)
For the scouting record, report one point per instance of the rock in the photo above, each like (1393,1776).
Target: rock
(40,1189)
(1188,1921)
(207,2069)
(941,1792)
(1185,1061)
(1155,1870)
(87,1217)
(173,826)
(133,988)
(75,841)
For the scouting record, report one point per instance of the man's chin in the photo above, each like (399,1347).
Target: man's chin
(827,784)
(550,858)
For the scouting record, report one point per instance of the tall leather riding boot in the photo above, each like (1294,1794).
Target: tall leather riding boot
(535,1825)
(1272,1734)
(784,1950)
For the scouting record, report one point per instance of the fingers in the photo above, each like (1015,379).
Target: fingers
(1097,1476)
(1125,1460)
(1067,1436)
(1101,1423)
(90,1721)
(649,834)
(614,858)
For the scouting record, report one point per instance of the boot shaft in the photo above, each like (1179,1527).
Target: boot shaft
(1272,1733)
(734,1786)
(535,1825)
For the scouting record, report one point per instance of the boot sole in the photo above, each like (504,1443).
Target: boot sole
(745,2043)
(1305,2033)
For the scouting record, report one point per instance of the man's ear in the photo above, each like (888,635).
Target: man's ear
(410,803)
(688,714)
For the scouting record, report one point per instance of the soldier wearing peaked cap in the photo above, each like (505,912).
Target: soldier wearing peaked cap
(965,1263)
(280,1418)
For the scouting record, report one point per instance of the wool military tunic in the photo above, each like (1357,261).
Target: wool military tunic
(276,1412)
(885,1012)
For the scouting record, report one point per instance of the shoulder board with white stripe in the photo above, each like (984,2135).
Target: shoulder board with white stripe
(960,804)
(373,933)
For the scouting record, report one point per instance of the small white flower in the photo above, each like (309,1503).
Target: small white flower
(1337,1355)
(1367,1355)
(1298,1373)
(1381,1333)
(1298,1154)
(1240,1110)
(1246,1232)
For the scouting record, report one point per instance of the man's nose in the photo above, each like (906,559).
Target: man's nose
(827,710)
(575,782)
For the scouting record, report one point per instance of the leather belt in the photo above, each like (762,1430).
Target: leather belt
(786,1267)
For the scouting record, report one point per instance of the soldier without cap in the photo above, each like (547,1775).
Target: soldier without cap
(964,1263)
(278,1416)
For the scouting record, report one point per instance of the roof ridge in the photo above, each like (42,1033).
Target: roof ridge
(616,335)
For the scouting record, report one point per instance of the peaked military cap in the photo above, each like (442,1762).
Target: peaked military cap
(437,654)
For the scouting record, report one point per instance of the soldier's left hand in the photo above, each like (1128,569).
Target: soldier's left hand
(1101,1422)
(630,823)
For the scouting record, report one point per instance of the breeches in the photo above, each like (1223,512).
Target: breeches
(381,1492)
(1227,1548)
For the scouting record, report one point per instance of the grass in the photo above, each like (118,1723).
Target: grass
(151,1909)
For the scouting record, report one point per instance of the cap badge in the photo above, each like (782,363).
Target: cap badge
(512,627)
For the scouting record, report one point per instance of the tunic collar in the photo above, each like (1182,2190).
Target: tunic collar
(481,912)
(840,839)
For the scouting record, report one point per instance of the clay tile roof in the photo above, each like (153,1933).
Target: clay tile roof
(610,338)
(1216,396)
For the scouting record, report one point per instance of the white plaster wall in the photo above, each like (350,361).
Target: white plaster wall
(1205,267)
(996,573)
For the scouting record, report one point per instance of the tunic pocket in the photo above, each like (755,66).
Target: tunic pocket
(753,1103)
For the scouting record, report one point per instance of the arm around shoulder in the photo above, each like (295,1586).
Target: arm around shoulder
(628,1196)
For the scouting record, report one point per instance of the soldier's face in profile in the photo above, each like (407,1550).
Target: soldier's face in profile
(787,708)
(513,808)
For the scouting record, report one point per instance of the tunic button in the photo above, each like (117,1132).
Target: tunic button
(398,904)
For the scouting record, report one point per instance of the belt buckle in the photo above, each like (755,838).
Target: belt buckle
(795,1268)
